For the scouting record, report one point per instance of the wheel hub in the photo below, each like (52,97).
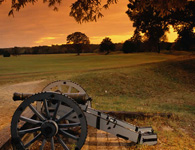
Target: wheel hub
(49,128)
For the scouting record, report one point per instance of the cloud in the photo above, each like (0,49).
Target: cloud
(44,39)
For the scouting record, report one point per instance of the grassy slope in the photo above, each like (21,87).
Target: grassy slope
(163,87)
(127,85)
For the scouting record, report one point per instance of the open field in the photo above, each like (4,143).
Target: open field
(33,67)
(145,82)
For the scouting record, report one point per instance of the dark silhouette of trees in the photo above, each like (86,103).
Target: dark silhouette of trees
(129,47)
(185,39)
(81,10)
(107,45)
(79,41)
(183,18)
(183,22)
(90,10)
(151,21)
(164,7)
(133,44)
(15,51)
(148,21)
(6,54)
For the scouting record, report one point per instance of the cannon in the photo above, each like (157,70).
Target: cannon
(58,118)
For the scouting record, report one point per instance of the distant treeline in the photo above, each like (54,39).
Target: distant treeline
(127,47)
(54,49)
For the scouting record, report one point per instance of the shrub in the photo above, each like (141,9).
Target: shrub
(6,54)
(129,47)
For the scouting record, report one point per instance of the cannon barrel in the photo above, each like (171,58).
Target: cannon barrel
(80,98)
(21,96)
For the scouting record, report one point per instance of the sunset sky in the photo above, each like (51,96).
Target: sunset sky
(38,25)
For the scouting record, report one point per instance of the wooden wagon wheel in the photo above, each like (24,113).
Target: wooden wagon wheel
(66,87)
(50,127)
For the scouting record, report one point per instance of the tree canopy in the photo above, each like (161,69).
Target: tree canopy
(81,10)
(90,10)
(107,45)
(163,6)
(148,21)
(79,40)
(153,23)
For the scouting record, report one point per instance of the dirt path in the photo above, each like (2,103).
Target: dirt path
(7,105)
(100,140)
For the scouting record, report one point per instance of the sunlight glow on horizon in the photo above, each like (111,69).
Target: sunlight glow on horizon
(42,40)
(60,39)
(114,38)
(171,35)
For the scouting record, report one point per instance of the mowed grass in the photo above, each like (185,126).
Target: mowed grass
(30,67)
(145,82)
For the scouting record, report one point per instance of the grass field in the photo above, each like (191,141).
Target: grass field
(31,67)
(145,82)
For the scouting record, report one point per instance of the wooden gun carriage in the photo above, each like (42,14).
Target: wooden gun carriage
(59,117)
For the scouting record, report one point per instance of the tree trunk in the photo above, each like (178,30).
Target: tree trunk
(158,47)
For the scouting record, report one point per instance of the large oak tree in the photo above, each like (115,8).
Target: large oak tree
(79,41)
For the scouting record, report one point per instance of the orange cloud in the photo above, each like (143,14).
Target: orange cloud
(43,39)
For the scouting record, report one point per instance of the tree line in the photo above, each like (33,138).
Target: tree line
(105,47)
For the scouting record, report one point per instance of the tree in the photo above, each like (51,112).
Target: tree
(15,51)
(79,40)
(148,21)
(6,54)
(107,45)
(133,44)
(183,22)
(81,10)
(129,47)
(164,7)
(186,38)
(90,10)
(183,18)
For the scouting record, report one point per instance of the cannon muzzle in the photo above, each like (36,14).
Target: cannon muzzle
(21,96)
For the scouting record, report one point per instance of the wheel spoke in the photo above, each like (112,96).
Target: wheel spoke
(69,89)
(31,130)
(66,115)
(62,143)
(30,120)
(52,144)
(69,125)
(46,108)
(32,141)
(43,144)
(37,113)
(68,134)
(56,110)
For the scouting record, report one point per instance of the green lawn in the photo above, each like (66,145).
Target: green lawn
(143,82)
(30,67)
